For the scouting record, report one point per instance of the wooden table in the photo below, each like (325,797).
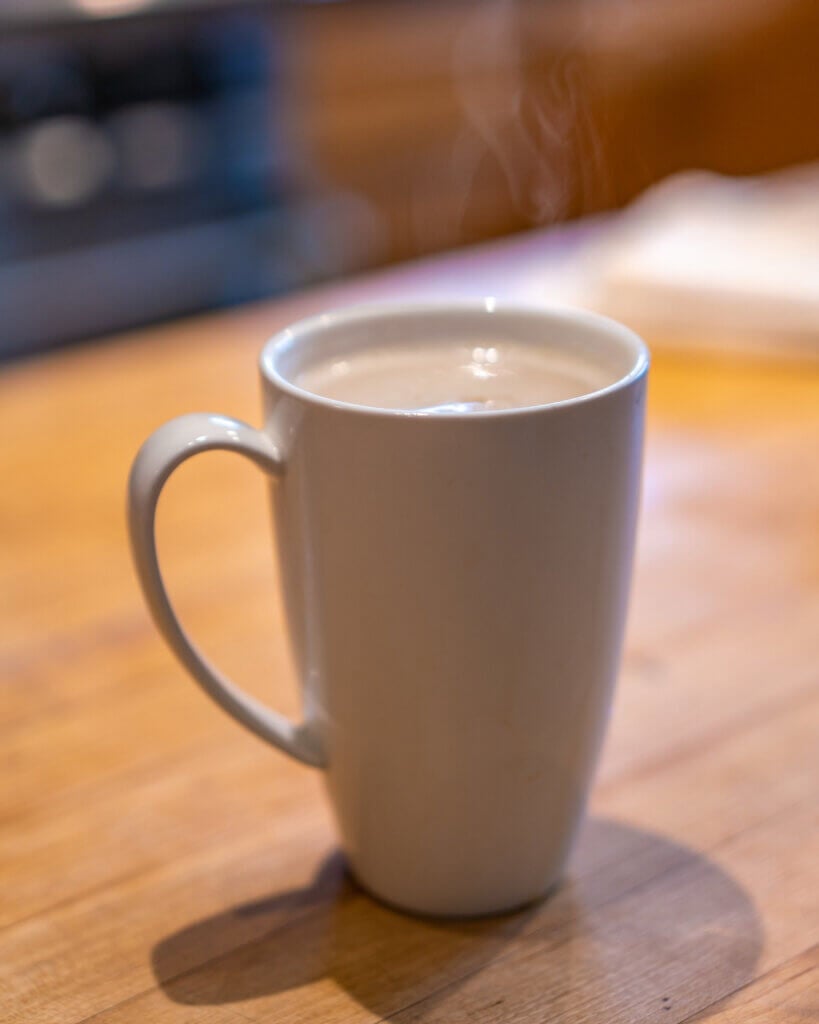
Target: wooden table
(159,865)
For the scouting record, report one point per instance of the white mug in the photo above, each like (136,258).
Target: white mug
(456,589)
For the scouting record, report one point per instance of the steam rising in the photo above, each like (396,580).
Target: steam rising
(536,127)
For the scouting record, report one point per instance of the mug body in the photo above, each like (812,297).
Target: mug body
(456,590)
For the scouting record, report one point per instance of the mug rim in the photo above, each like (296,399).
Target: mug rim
(360,313)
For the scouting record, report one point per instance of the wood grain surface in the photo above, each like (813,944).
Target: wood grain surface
(159,865)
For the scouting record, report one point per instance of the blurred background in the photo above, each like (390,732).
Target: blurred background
(158,158)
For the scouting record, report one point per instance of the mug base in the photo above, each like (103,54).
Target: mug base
(437,913)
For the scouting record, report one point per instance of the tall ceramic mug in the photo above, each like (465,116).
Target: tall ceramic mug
(455,588)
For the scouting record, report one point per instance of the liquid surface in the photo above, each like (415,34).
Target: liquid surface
(440,378)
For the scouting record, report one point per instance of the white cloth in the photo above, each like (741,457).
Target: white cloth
(702,258)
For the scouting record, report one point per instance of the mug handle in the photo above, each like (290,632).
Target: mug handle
(168,447)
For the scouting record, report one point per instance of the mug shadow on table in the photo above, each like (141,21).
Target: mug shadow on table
(696,933)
